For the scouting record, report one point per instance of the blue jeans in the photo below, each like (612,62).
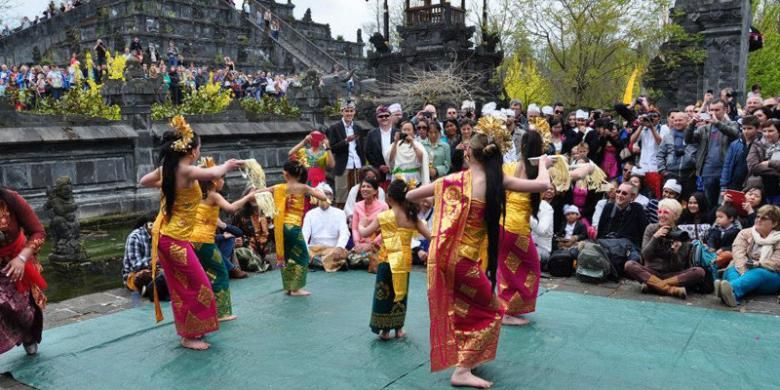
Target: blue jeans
(755,280)
(711,189)
(226,247)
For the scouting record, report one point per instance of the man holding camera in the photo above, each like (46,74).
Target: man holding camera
(646,139)
(676,159)
(711,133)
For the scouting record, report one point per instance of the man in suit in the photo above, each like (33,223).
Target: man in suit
(346,144)
(378,143)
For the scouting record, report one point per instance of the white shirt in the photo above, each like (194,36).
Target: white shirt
(569,230)
(542,228)
(641,199)
(597,213)
(326,227)
(649,149)
(387,142)
(349,207)
(353,161)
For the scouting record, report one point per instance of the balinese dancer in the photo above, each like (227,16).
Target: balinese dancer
(518,262)
(465,314)
(192,299)
(202,238)
(314,153)
(21,284)
(397,226)
(291,252)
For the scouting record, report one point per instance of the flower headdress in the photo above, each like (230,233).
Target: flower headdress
(207,162)
(494,127)
(543,127)
(410,184)
(185,133)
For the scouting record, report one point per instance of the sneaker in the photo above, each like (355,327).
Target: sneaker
(31,349)
(716,285)
(143,291)
(727,294)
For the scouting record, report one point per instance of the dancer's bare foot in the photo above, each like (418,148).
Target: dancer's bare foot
(385,335)
(399,333)
(195,344)
(462,377)
(300,293)
(515,321)
(228,318)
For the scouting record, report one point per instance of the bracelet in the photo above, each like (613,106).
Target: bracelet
(22,258)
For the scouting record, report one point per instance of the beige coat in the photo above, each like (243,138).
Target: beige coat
(742,247)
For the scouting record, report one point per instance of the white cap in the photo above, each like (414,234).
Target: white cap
(468,105)
(325,187)
(636,170)
(395,107)
(533,108)
(581,114)
(570,208)
(672,185)
(547,110)
(489,107)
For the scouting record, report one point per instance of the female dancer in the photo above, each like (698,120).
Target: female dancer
(519,267)
(465,315)
(291,251)
(21,284)
(397,226)
(192,300)
(316,153)
(202,238)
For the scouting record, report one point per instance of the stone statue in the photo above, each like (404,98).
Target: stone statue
(64,226)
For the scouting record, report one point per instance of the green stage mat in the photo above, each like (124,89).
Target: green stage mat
(324,342)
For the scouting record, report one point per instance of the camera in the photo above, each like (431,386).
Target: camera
(678,235)
(428,115)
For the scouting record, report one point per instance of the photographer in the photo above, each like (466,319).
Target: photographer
(408,157)
(646,140)
(666,256)
(675,158)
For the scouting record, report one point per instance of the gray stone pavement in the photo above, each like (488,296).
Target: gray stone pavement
(99,304)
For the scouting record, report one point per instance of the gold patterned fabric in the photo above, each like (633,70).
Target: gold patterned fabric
(397,247)
(206,218)
(518,207)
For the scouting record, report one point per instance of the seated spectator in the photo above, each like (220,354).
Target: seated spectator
(326,233)
(574,230)
(252,247)
(137,261)
(636,180)
(756,264)
(763,160)
(671,190)
(665,256)
(542,225)
(609,197)
(723,232)
(754,199)
(367,172)
(420,244)
(624,219)
(697,215)
(365,250)
(225,240)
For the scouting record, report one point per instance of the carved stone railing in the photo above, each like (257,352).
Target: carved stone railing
(434,14)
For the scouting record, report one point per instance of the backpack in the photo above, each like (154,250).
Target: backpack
(250,261)
(617,250)
(702,257)
(593,265)
(561,262)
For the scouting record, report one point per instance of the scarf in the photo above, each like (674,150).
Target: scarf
(767,244)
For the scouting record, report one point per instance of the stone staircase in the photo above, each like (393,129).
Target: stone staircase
(298,45)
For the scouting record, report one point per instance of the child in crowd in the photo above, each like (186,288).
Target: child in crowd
(722,234)
(574,230)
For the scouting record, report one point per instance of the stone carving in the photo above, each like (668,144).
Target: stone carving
(64,232)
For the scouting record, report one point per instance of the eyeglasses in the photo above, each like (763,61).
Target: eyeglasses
(383,116)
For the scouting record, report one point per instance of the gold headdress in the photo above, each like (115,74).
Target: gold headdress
(302,158)
(410,184)
(185,133)
(207,162)
(495,129)
(543,127)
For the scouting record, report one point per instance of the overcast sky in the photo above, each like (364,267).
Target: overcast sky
(344,16)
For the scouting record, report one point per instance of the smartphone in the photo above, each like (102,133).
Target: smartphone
(705,116)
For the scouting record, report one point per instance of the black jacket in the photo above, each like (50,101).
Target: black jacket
(629,223)
(337,137)
(373,148)
(580,231)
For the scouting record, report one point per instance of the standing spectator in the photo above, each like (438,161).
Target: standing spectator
(408,157)
(55,80)
(713,140)
(173,54)
(275,28)
(764,160)
(136,48)
(347,148)
(152,56)
(675,158)
(396,114)
(267,16)
(100,53)
(646,140)
(438,151)
(735,168)
(175,86)
(379,142)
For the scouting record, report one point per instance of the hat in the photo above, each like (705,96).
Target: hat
(325,187)
(382,110)
(636,170)
(395,107)
(533,108)
(672,185)
(348,104)
(547,110)
(570,208)
(581,114)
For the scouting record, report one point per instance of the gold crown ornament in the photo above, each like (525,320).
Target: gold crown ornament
(207,162)
(543,127)
(496,131)
(185,133)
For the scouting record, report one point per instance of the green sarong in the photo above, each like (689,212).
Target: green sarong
(296,259)
(387,314)
(211,260)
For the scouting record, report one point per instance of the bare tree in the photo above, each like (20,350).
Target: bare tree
(449,85)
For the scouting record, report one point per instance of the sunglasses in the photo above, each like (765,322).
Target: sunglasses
(422,127)
(383,116)
(623,192)
(558,112)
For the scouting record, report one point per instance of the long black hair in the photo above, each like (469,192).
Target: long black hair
(168,159)
(397,192)
(296,170)
(489,155)
(531,146)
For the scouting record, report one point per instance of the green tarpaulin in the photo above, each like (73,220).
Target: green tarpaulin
(324,342)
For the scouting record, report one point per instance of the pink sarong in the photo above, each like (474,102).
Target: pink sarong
(518,273)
